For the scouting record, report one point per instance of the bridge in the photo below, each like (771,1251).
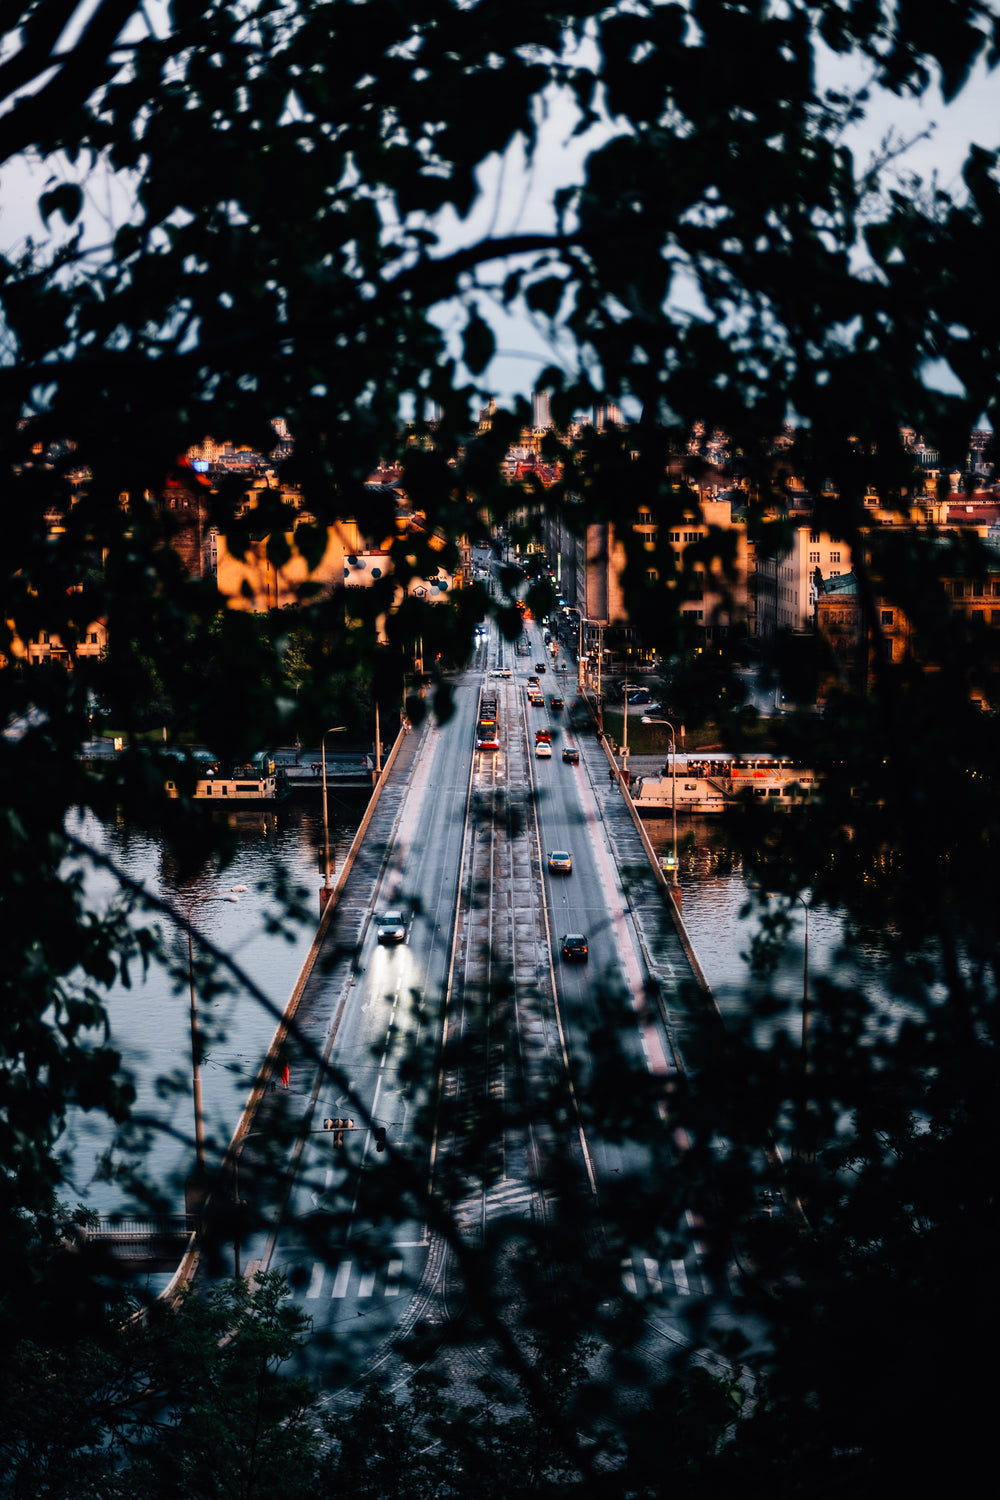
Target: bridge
(460,840)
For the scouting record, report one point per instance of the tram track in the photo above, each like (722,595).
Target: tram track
(504,1052)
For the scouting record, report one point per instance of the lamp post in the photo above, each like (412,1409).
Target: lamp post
(199,1118)
(805,988)
(675,887)
(325,892)
(625,719)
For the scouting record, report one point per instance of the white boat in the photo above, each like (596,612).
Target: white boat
(260,781)
(712,786)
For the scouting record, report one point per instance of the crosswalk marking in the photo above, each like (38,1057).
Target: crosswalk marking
(316,1279)
(652,1271)
(341,1279)
(644,1276)
(367,1284)
(395,1270)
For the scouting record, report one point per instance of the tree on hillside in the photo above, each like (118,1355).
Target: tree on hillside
(303,192)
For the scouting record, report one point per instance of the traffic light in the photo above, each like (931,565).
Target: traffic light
(378,1132)
(338,1127)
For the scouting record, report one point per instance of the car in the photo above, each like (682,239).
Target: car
(539,666)
(560,862)
(536,700)
(505,672)
(574,947)
(543,750)
(392,927)
(543,735)
(571,755)
(533,682)
(556,703)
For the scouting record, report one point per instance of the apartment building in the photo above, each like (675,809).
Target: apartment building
(784,584)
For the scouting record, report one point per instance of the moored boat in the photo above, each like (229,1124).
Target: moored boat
(703,786)
(257,781)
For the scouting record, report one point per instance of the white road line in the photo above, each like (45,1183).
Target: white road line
(316,1280)
(394,1272)
(680,1277)
(628,1277)
(341,1279)
(367,1284)
(652,1271)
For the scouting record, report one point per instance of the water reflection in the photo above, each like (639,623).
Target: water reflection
(276,854)
(721,924)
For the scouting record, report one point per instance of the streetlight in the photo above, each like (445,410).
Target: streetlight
(325,893)
(625,720)
(673,787)
(805,987)
(199,1118)
(803,1151)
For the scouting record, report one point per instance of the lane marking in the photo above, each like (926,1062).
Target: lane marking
(341,1279)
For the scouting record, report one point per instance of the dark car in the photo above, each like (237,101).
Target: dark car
(571,755)
(574,947)
(539,666)
(556,703)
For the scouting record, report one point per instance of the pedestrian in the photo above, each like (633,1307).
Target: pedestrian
(611,777)
(285,1075)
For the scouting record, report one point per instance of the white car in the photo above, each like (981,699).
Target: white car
(543,751)
(392,928)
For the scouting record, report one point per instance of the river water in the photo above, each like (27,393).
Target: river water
(721,922)
(150,1019)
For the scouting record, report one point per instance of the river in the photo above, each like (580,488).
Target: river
(150,1018)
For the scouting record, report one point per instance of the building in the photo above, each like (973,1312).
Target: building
(784,583)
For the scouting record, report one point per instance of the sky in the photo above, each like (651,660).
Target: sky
(517,198)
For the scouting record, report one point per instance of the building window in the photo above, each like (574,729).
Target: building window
(814,557)
(959,590)
(814,536)
(835,557)
(977,590)
(92,637)
(887,617)
(652,576)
